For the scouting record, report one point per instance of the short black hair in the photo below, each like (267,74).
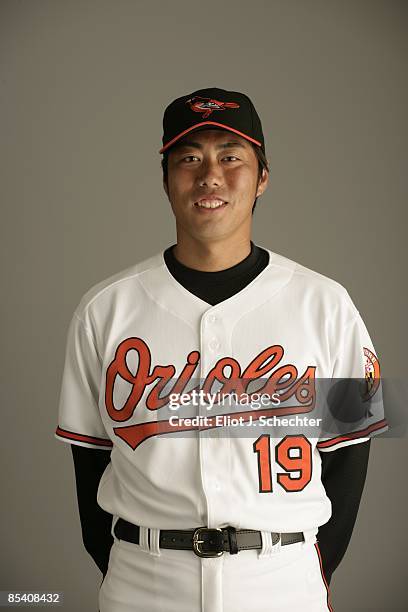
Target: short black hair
(260,155)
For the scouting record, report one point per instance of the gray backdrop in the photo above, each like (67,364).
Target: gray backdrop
(83,88)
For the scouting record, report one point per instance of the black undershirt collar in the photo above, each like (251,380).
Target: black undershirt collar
(215,287)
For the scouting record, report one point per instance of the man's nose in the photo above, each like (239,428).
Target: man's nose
(210,173)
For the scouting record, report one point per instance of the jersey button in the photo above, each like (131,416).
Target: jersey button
(212,318)
(214,344)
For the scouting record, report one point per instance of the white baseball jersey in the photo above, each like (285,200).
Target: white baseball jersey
(140,332)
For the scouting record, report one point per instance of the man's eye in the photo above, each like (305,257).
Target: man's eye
(190,157)
(231,157)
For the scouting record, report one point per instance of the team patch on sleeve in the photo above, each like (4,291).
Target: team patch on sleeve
(371,373)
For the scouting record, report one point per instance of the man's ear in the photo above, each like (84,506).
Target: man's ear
(263,182)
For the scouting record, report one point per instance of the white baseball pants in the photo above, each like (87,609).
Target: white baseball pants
(274,579)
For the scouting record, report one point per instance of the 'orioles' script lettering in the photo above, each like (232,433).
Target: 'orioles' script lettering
(283,380)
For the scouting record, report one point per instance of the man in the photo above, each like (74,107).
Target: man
(186,515)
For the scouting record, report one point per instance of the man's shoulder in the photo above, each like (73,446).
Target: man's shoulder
(120,283)
(310,281)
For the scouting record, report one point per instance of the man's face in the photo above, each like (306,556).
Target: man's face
(207,168)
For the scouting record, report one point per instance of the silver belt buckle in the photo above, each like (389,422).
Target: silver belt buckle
(197,541)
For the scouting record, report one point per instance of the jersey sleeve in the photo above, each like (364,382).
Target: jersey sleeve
(355,402)
(79,419)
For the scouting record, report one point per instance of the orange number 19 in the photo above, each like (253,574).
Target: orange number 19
(293,454)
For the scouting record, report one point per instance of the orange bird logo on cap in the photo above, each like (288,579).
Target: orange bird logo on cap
(208,105)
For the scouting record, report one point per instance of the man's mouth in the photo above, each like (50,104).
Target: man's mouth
(210,204)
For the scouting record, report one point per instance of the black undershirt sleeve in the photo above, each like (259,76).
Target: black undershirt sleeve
(90,463)
(343,476)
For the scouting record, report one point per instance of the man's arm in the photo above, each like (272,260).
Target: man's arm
(96,524)
(343,476)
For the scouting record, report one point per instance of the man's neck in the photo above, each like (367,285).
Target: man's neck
(212,256)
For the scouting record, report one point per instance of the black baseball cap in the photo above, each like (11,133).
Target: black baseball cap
(212,108)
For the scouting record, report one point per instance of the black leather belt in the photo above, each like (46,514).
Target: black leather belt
(206,542)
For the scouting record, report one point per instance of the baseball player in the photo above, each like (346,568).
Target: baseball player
(179,513)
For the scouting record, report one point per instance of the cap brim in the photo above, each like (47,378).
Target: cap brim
(204,125)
